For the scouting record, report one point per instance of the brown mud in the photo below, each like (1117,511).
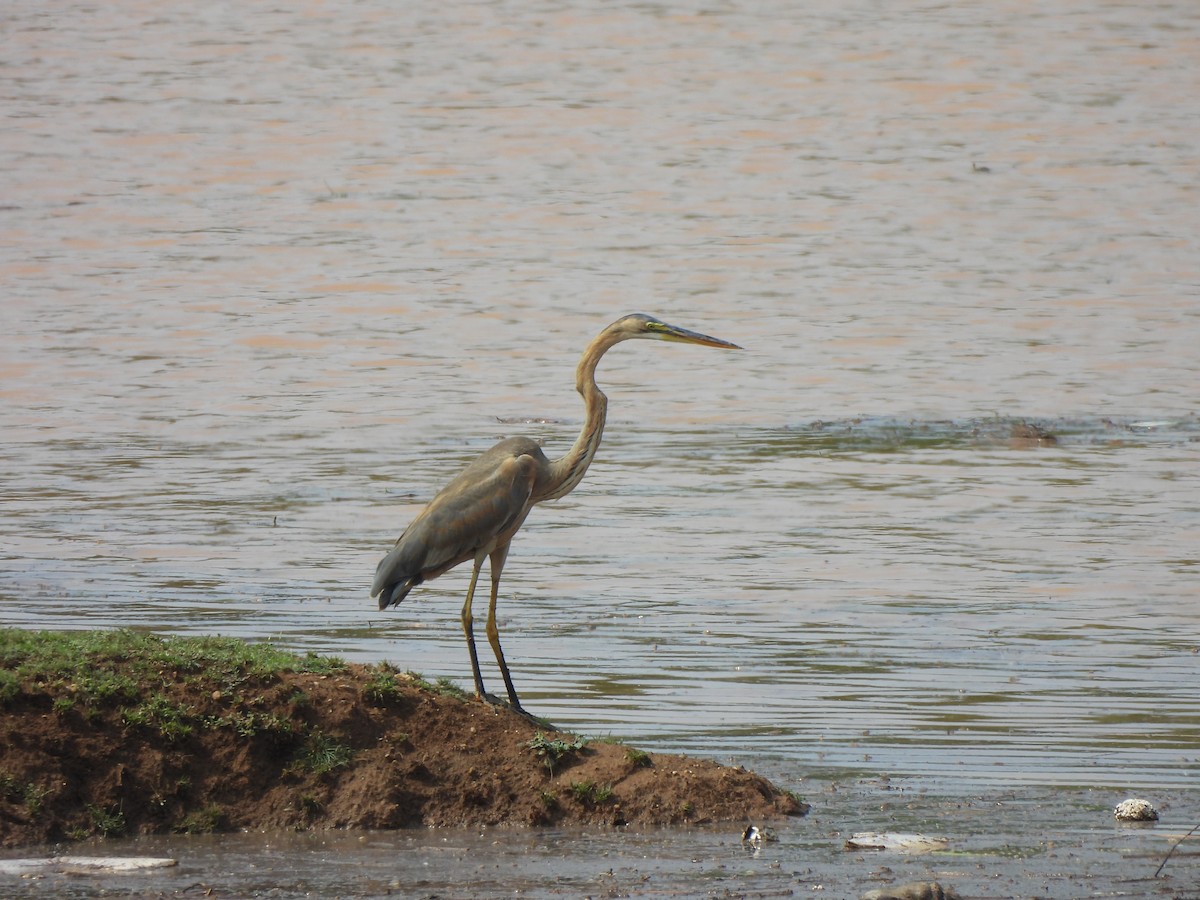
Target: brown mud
(302,750)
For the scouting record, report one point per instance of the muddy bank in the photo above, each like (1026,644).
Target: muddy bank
(113,733)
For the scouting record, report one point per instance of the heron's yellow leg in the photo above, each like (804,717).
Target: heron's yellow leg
(468,625)
(493,633)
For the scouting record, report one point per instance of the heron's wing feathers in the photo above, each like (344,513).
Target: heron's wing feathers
(477,511)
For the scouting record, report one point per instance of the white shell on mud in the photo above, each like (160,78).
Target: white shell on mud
(84,865)
(894,840)
(1133,810)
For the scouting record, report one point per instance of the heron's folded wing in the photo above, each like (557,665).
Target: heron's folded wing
(478,511)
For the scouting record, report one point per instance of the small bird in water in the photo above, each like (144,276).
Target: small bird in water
(755,837)
(475,516)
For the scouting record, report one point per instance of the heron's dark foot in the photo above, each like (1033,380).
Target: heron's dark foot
(530,717)
(539,721)
(493,700)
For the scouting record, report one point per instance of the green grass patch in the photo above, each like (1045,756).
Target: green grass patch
(447,688)
(208,820)
(159,714)
(382,689)
(129,668)
(637,758)
(10,787)
(589,793)
(552,751)
(10,687)
(29,795)
(107,666)
(106,822)
(140,676)
(444,686)
(321,754)
(311,805)
(249,724)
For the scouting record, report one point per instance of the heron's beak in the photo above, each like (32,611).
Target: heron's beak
(683,336)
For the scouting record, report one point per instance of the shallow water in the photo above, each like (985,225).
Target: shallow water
(1027,843)
(272,276)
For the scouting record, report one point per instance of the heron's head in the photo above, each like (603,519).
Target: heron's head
(640,325)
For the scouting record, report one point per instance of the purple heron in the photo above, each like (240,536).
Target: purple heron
(475,516)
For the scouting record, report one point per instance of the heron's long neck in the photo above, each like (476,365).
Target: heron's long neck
(568,470)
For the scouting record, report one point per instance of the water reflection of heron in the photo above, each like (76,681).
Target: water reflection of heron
(475,516)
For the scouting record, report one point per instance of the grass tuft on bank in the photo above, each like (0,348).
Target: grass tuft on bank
(122,666)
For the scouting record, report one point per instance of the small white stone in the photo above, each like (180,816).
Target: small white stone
(895,841)
(1133,810)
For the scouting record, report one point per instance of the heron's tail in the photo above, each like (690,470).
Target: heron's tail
(392,594)
(398,572)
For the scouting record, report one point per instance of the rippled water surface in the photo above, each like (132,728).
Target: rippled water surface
(272,274)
